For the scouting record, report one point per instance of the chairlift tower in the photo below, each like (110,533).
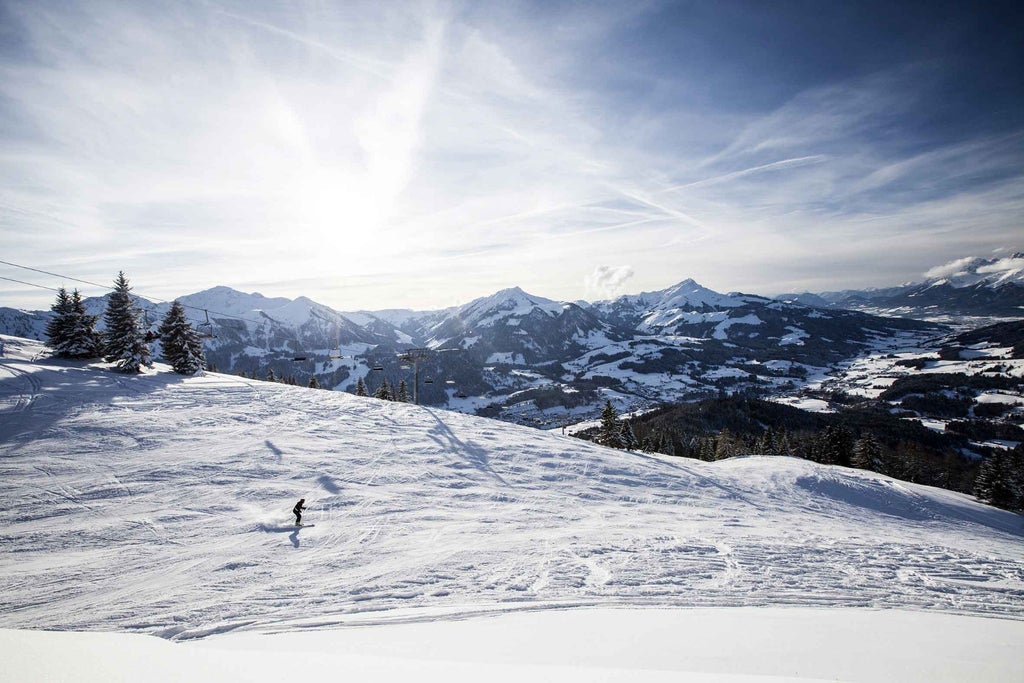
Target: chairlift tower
(414,356)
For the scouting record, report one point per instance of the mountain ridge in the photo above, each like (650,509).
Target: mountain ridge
(970,286)
(526,358)
(522,357)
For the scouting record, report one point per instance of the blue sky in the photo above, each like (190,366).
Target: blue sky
(421,154)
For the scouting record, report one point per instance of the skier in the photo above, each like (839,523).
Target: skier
(297,511)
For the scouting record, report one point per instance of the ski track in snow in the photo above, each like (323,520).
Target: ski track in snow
(161,504)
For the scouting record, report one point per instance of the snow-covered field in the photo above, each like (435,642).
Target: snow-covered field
(728,645)
(159,505)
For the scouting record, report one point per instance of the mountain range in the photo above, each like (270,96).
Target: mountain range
(526,358)
(966,287)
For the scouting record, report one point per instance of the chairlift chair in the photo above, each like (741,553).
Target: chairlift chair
(205,329)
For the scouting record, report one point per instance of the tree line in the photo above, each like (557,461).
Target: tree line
(72,333)
(386,392)
(879,444)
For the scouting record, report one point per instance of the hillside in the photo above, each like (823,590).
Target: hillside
(161,504)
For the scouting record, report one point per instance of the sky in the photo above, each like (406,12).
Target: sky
(421,154)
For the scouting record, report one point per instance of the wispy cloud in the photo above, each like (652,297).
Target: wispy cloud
(442,150)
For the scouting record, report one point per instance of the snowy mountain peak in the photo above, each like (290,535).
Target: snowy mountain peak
(689,294)
(505,304)
(972,270)
(232,302)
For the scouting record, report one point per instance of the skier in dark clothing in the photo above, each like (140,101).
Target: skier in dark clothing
(297,510)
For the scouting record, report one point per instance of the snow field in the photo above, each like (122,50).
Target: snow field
(159,504)
(728,645)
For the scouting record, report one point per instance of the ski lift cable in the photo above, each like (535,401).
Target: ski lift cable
(30,284)
(94,284)
(46,272)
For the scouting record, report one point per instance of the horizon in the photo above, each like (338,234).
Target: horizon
(420,155)
(1011,262)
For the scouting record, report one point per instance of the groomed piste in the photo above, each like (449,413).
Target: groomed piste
(159,505)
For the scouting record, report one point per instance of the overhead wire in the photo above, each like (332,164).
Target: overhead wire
(30,284)
(108,287)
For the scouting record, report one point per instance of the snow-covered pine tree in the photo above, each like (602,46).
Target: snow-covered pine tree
(628,437)
(60,326)
(725,445)
(383,391)
(271,376)
(403,392)
(182,347)
(86,341)
(125,341)
(360,387)
(314,383)
(610,428)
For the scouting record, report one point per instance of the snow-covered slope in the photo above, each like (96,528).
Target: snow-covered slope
(508,305)
(681,303)
(160,504)
(607,645)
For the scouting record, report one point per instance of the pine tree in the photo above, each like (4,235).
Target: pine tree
(87,342)
(360,387)
(1000,480)
(71,331)
(765,443)
(836,446)
(59,327)
(706,452)
(668,445)
(180,342)
(383,391)
(271,376)
(314,383)
(725,445)
(609,434)
(783,446)
(125,340)
(627,436)
(403,392)
(867,454)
